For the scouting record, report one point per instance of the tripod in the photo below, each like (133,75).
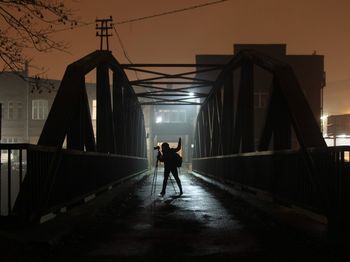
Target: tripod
(154,180)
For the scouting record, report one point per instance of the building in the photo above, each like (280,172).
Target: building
(26,103)
(338,130)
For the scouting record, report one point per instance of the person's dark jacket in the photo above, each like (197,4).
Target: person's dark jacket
(169,157)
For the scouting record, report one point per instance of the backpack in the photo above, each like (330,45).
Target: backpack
(178,160)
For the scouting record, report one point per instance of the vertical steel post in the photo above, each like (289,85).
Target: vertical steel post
(281,120)
(228,116)
(199,134)
(205,128)
(267,129)
(9,188)
(75,132)
(118,112)
(218,122)
(243,139)
(210,117)
(105,128)
(87,127)
(20,168)
(247,82)
(0,155)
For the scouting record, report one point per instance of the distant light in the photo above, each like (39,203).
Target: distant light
(159,119)
(192,145)
(342,136)
(324,117)
(191,94)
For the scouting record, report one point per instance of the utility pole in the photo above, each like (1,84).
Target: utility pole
(103,25)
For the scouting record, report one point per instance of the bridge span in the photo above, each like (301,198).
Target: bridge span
(260,184)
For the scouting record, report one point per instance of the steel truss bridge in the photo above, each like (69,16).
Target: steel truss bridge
(280,151)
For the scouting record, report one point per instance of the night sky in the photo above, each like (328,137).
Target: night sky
(305,26)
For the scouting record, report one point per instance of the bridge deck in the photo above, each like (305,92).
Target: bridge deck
(205,224)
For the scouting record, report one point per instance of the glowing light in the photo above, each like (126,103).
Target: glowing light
(324,117)
(159,119)
(191,94)
(192,145)
(342,136)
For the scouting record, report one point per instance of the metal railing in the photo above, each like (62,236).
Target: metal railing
(36,179)
(285,175)
(13,169)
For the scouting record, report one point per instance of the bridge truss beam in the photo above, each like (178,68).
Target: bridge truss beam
(119,124)
(172,88)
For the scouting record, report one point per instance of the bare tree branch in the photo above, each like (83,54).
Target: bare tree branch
(29,24)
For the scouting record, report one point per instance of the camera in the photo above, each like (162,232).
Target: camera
(156,148)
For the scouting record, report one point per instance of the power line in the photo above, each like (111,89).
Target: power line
(141,19)
(145,17)
(122,45)
(153,16)
(124,49)
(171,12)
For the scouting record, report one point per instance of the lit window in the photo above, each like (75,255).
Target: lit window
(9,140)
(94,104)
(171,116)
(40,109)
(12,110)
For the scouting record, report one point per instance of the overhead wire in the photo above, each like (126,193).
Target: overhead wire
(132,20)
(154,16)
(122,44)
(124,49)
(170,12)
(141,19)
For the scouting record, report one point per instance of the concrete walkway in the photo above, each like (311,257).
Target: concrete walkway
(205,224)
(195,224)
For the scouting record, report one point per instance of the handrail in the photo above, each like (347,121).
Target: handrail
(279,152)
(14,146)
(42,178)
(284,174)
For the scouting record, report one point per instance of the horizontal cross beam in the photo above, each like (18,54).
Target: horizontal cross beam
(170,103)
(172,65)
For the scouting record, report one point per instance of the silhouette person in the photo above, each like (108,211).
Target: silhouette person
(168,156)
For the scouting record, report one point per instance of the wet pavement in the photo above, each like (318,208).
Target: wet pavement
(193,225)
(204,224)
